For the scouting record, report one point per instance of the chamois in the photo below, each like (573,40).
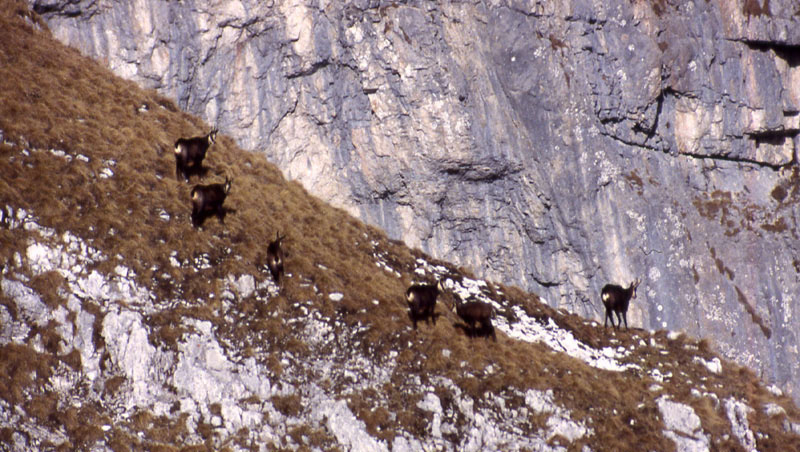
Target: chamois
(421,299)
(207,200)
(616,300)
(474,312)
(189,154)
(275,257)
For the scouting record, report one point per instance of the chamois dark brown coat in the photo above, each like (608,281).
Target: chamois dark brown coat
(207,200)
(189,154)
(275,257)
(474,313)
(616,300)
(421,299)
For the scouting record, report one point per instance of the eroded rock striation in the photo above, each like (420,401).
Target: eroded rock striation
(556,145)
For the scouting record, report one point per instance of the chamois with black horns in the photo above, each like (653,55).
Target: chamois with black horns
(616,299)
(421,299)
(475,313)
(207,200)
(189,154)
(275,257)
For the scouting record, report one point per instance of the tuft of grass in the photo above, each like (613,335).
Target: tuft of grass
(21,369)
(289,405)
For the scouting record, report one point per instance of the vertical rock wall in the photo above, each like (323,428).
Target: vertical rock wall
(557,145)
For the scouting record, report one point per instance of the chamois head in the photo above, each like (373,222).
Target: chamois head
(189,155)
(421,300)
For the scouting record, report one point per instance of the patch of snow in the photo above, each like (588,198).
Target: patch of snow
(775,390)
(106,173)
(714,365)
(528,329)
(773,409)
(673,335)
(659,376)
(336,296)
(244,286)
(381,264)
(173,259)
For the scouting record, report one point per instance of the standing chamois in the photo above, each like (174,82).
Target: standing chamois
(189,154)
(421,299)
(475,312)
(207,200)
(275,257)
(616,300)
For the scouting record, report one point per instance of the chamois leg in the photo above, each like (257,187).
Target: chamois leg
(609,315)
(489,329)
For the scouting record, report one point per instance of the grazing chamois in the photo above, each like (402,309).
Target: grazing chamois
(475,312)
(421,299)
(275,257)
(189,154)
(616,300)
(207,200)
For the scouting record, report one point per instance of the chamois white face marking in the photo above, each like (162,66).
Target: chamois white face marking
(195,196)
(178,149)
(605,297)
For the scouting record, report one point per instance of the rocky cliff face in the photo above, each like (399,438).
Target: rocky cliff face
(556,145)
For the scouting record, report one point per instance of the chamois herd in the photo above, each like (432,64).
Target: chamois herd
(207,200)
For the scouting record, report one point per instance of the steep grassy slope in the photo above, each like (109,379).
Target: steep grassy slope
(90,156)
